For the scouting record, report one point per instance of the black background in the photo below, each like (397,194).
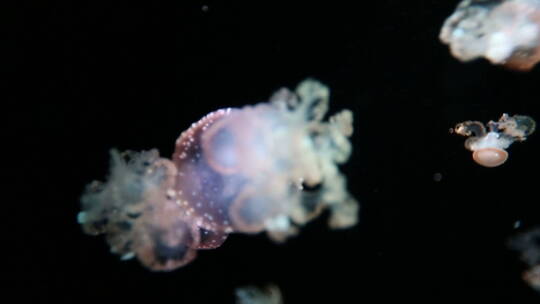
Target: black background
(95,75)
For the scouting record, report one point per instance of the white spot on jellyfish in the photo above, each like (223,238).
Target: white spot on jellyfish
(489,146)
(81,217)
(127,256)
(171,193)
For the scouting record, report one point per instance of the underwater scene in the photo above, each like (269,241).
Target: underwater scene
(274,152)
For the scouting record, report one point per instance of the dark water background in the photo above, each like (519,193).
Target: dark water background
(433,227)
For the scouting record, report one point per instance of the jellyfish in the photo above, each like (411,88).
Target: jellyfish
(271,167)
(505,32)
(489,146)
(528,244)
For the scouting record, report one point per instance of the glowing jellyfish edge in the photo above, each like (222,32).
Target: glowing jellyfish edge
(235,170)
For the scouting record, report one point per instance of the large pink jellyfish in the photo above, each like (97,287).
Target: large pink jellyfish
(489,147)
(505,32)
(235,170)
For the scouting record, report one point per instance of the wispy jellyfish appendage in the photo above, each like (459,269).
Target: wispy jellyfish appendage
(505,32)
(489,145)
(269,167)
(136,211)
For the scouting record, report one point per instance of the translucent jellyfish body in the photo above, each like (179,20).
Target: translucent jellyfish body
(505,32)
(489,146)
(236,170)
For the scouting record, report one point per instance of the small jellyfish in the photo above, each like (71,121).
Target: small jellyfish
(489,146)
(506,32)
(270,167)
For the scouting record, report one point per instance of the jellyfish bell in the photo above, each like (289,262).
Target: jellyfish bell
(490,157)
(489,144)
(489,150)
